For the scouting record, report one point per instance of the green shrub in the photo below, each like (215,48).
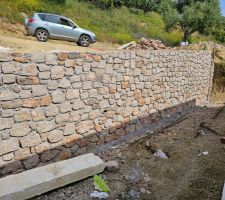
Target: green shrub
(219,35)
(122,38)
(26,5)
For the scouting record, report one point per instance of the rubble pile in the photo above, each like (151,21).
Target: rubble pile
(144,44)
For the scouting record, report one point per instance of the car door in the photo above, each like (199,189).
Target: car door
(52,24)
(67,29)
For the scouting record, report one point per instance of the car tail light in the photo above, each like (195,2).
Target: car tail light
(31,20)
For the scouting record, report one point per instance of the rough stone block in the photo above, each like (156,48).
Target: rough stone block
(62,56)
(39,90)
(31,162)
(73,55)
(71,139)
(5,57)
(7,95)
(11,104)
(9,78)
(5,123)
(30,103)
(44,75)
(30,140)
(22,115)
(64,83)
(15,166)
(51,110)
(45,126)
(57,72)
(20,129)
(29,70)
(84,126)
(21,59)
(38,58)
(51,59)
(63,155)
(55,136)
(69,129)
(75,116)
(42,147)
(65,107)
(43,68)
(23,80)
(10,68)
(62,118)
(46,100)
(22,154)
(49,155)
(24,94)
(78,104)
(5,134)
(52,85)
(8,157)
(72,94)
(58,96)
(9,145)
(37,114)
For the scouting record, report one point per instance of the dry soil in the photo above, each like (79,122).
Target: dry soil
(184,176)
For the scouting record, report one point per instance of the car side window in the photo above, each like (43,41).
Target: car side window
(41,16)
(66,22)
(51,18)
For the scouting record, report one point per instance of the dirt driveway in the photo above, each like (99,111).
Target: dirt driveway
(24,44)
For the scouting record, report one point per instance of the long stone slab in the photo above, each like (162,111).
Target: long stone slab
(223,194)
(43,179)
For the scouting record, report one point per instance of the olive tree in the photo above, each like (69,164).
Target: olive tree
(192,16)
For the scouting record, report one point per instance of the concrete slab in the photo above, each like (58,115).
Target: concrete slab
(43,179)
(223,195)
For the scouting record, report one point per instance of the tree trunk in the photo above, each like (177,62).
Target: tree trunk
(186,36)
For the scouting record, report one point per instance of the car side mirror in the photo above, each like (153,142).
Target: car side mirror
(74,27)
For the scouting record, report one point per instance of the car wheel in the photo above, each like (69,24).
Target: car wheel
(42,35)
(84,41)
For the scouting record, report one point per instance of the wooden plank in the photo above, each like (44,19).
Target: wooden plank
(127,45)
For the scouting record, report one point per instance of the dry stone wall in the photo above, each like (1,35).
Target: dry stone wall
(54,105)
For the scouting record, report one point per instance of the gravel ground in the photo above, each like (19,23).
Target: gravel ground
(29,44)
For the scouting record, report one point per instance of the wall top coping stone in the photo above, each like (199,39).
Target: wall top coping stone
(64,55)
(17,54)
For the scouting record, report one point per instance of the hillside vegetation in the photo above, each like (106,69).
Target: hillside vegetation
(117,25)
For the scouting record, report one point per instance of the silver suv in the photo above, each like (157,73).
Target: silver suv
(44,26)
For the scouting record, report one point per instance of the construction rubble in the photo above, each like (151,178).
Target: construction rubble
(144,44)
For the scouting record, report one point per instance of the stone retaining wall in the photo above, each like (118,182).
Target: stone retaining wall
(55,105)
